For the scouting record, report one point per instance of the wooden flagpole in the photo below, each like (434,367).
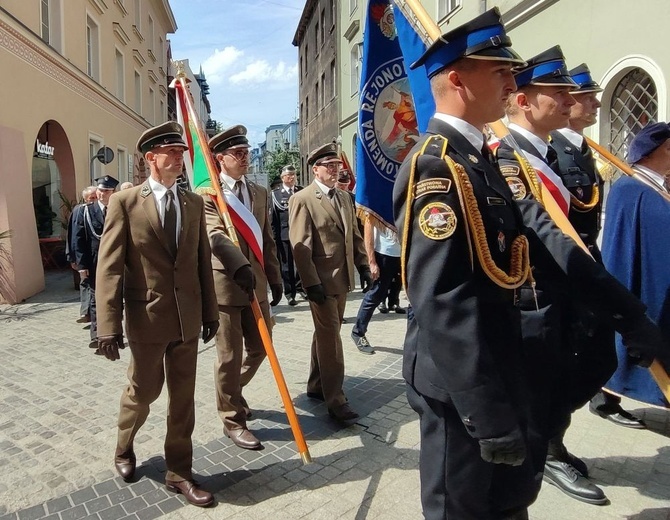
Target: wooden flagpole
(255,306)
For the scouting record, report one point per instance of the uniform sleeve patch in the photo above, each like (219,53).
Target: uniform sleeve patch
(437,221)
(517,186)
(433,185)
(510,170)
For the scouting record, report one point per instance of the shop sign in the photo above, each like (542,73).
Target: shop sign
(44,150)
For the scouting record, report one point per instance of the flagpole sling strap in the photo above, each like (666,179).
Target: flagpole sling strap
(218,199)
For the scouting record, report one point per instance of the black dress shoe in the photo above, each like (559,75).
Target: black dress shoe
(125,465)
(343,413)
(399,310)
(192,493)
(559,452)
(620,417)
(316,395)
(243,438)
(572,483)
(292,302)
(383,308)
(93,343)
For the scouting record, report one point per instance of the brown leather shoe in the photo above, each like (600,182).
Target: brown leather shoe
(243,438)
(125,465)
(86,318)
(192,493)
(343,413)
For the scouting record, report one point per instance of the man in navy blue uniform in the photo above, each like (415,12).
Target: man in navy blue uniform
(466,252)
(86,233)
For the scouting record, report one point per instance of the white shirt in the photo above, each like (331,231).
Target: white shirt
(474,136)
(230,183)
(288,189)
(654,176)
(160,192)
(386,241)
(325,189)
(574,137)
(102,207)
(538,143)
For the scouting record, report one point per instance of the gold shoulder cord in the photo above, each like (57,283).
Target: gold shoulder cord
(530,175)
(583,207)
(520,252)
(408,214)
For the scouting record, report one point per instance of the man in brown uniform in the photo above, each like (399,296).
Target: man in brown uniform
(155,262)
(327,244)
(237,273)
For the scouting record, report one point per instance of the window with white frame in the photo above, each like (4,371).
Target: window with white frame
(138,93)
(323,26)
(353,4)
(317,98)
(92,49)
(446,7)
(94,144)
(333,79)
(633,106)
(355,67)
(150,36)
(44,25)
(152,106)
(120,76)
(138,15)
(122,165)
(323,90)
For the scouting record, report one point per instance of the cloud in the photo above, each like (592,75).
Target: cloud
(260,71)
(218,63)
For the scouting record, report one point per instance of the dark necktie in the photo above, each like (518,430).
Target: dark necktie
(552,158)
(104,212)
(487,153)
(237,189)
(170,222)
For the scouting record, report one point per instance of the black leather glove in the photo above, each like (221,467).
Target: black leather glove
(277,290)
(509,449)
(644,341)
(366,278)
(109,346)
(209,329)
(316,294)
(245,279)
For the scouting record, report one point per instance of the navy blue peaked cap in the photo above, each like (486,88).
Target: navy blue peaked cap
(547,69)
(482,38)
(582,76)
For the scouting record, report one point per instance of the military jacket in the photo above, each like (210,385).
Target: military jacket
(463,344)
(87,231)
(279,212)
(579,174)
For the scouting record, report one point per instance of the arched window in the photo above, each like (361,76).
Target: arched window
(634,104)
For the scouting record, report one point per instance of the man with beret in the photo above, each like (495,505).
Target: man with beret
(86,232)
(636,251)
(280,197)
(155,263)
(327,245)
(239,272)
(468,248)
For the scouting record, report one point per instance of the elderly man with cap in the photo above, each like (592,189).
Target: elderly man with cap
(636,250)
(238,274)
(280,197)
(327,246)
(155,262)
(86,232)
(466,252)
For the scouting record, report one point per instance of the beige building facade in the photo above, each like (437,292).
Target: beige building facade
(622,43)
(80,75)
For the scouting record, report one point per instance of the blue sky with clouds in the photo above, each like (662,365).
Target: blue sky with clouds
(245,49)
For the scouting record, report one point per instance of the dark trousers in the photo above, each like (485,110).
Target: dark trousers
(456,483)
(85,300)
(393,299)
(289,273)
(87,285)
(389,266)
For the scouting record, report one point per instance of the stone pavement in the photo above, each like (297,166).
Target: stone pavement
(58,407)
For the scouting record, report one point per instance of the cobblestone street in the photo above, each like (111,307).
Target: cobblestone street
(59,403)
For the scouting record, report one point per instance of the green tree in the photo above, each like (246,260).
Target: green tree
(276,160)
